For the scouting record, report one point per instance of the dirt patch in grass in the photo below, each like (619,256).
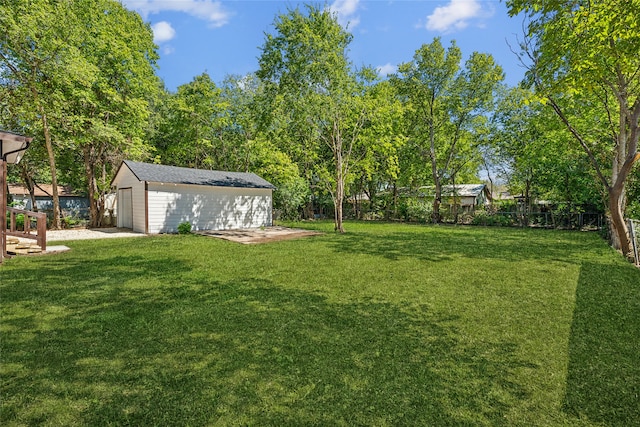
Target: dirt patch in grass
(259,235)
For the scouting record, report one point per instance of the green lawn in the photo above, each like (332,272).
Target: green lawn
(386,325)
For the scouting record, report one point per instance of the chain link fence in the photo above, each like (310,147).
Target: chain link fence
(565,221)
(634,233)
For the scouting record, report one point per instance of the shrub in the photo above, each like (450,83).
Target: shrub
(289,198)
(19,221)
(417,210)
(184,228)
(484,216)
(633,209)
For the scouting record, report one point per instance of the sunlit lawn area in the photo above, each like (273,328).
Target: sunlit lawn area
(388,324)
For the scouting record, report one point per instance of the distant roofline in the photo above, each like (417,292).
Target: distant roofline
(14,134)
(42,190)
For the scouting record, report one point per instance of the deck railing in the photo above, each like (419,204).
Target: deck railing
(40,219)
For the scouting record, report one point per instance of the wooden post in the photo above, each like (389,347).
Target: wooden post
(12,146)
(42,230)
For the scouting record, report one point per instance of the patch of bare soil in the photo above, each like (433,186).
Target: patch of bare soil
(259,235)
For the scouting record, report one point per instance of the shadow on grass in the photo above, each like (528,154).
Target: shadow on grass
(439,243)
(603,381)
(121,349)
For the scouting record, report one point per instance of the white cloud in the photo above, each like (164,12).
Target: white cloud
(345,7)
(454,16)
(208,10)
(385,70)
(346,11)
(162,32)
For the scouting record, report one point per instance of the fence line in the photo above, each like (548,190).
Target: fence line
(573,221)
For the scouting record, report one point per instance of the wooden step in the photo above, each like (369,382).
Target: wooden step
(12,240)
(24,249)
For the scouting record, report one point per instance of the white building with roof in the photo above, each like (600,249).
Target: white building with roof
(467,196)
(155,198)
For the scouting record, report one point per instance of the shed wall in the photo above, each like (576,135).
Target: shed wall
(206,208)
(126,179)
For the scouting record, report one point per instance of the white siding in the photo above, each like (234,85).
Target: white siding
(126,179)
(125,208)
(206,208)
(467,201)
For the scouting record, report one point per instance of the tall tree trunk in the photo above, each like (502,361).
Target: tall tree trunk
(527,203)
(619,231)
(437,200)
(394,201)
(29,183)
(339,196)
(626,156)
(339,227)
(89,169)
(55,224)
(616,205)
(455,200)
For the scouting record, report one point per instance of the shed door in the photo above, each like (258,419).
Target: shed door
(125,208)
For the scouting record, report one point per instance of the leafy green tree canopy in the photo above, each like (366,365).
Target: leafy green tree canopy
(586,53)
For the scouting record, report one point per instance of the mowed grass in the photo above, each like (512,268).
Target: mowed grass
(386,325)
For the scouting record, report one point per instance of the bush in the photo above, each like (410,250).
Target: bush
(633,210)
(491,218)
(417,210)
(184,228)
(289,198)
(19,222)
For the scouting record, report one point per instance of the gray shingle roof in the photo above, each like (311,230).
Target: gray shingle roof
(176,175)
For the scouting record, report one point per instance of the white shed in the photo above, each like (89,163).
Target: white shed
(157,198)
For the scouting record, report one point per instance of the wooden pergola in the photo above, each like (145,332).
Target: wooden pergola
(12,148)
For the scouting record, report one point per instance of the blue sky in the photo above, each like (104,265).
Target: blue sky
(224,37)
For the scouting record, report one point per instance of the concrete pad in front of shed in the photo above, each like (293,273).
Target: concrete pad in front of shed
(56,249)
(259,235)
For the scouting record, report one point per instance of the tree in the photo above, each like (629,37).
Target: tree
(443,102)
(192,135)
(84,70)
(241,95)
(36,47)
(106,115)
(585,53)
(533,153)
(382,141)
(276,167)
(30,169)
(252,151)
(315,97)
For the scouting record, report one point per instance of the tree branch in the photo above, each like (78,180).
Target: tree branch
(13,69)
(583,143)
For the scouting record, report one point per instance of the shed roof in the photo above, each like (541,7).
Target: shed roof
(461,190)
(177,175)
